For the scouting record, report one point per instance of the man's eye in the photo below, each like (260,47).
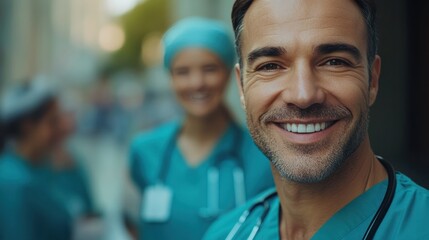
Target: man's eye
(337,62)
(269,67)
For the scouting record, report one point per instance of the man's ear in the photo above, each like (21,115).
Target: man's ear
(238,79)
(375,79)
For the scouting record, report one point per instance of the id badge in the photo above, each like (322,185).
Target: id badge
(156,203)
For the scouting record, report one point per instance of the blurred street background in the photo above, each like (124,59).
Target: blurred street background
(105,56)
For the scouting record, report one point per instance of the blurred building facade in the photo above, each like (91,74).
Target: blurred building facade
(50,37)
(5,6)
(217,9)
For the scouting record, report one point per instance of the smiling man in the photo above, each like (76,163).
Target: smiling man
(308,74)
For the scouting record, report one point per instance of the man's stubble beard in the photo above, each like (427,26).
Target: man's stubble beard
(305,166)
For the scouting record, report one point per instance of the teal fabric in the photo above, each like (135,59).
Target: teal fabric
(70,185)
(407,217)
(196,32)
(28,209)
(189,184)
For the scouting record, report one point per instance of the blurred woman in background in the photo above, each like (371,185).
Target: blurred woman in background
(28,209)
(190,171)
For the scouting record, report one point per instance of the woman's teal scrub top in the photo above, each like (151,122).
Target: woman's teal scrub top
(407,217)
(189,184)
(28,209)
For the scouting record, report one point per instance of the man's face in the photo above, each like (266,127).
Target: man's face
(305,83)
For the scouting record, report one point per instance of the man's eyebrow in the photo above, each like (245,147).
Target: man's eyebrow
(265,52)
(339,47)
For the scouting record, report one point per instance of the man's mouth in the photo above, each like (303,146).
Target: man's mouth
(305,128)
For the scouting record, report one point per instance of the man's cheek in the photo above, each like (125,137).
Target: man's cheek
(355,101)
(258,105)
(254,115)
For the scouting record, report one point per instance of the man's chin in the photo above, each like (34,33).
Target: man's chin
(307,171)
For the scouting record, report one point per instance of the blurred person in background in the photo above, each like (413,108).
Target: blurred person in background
(191,171)
(29,210)
(66,178)
(64,169)
(98,120)
(65,172)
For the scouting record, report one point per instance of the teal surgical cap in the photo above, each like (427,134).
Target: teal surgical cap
(198,32)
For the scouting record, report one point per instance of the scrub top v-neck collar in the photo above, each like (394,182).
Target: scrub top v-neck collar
(358,211)
(223,144)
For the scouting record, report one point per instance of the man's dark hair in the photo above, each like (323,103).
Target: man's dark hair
(12,129)
(367,8)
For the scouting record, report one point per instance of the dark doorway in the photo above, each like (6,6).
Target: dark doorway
(418,82)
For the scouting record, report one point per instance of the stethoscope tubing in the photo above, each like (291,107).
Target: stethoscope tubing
(369,233)
(213,183)
(385,204)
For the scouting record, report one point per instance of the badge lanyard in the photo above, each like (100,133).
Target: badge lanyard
(157,198)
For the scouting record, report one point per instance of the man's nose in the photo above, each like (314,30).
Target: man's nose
(303,87)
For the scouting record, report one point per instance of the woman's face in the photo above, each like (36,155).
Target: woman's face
(199,81)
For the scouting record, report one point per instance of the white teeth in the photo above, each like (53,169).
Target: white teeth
(305,128)
(310,128)
(302,128)
(317,127)
(294,128)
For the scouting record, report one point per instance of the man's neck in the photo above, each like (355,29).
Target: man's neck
(306,207)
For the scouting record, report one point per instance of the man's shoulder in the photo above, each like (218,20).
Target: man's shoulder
(411,200)
(224,224)
(409,213)
(409,188)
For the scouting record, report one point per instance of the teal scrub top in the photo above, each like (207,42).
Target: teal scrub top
(189,184)
(71,187)
(28,209)
(407,217)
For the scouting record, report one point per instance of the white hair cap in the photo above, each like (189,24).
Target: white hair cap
(24,98)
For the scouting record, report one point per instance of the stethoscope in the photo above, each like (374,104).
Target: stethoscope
(213,209)
(369,233)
